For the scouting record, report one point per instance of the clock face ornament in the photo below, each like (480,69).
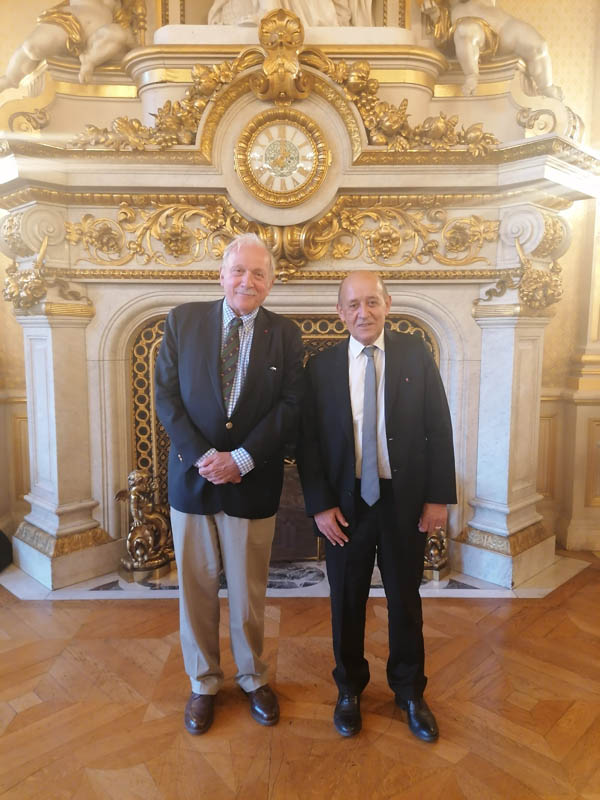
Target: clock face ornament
(282,157)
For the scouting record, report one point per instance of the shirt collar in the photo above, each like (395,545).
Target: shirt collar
(228,315)
(355,348)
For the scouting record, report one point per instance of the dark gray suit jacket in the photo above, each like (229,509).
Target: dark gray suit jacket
(190,405)
(418,429)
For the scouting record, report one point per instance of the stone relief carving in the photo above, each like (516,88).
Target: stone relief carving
(388,232)
(310,12)
(480,29)
(95,31)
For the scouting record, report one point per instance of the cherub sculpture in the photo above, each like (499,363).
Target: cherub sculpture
(95,31)
(150,541)
(479,29)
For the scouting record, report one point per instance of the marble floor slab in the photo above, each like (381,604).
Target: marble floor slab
(298,579)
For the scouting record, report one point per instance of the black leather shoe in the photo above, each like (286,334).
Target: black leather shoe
(420,719)
(346,717)
(263,705)
(199,713)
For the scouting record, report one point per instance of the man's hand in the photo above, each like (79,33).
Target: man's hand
(434,516)
(220,468)
(327,522)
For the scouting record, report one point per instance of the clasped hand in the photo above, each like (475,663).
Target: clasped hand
(220,468)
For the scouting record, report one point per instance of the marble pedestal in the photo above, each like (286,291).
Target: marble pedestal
(59,541)
(505,542)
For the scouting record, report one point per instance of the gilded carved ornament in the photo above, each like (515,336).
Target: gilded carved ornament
(26,288)
(389,232)
(538,288)
(149,541)
(283,81)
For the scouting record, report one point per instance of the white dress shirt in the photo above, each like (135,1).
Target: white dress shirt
(357,365)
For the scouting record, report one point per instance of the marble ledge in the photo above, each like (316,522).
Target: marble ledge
(301,579)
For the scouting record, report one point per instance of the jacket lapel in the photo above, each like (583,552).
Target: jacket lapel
(341,390)
(393,372)
(211,339)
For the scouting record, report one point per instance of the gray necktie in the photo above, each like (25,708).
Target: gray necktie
(369,478)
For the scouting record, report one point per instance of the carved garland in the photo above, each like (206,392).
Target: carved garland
(388,233)
(538,288)
(282,80)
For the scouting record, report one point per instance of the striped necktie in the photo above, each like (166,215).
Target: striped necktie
(369,477)
(229,358)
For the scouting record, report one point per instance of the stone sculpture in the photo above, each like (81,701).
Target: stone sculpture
(95,31)
(312,13)
(478,29)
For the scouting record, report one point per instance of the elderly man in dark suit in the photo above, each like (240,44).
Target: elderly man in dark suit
(377,467)
(228,387)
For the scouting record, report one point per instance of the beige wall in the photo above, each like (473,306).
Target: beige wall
(572,31)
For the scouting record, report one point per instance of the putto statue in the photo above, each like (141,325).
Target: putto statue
(312,13)
(476,29)
(95,31)
(150,541)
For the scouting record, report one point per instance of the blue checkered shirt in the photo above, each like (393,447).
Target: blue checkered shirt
(242,457)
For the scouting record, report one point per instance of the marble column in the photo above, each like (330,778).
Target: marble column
(60,542)
(505,542)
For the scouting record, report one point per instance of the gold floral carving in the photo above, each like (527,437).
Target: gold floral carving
(554,236)
(26,288)
(540,288)
(185,234)
(55,546)
(387,124)
(283,81)
(389,231)
(176,122)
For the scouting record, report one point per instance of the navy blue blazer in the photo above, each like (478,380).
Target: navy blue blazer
(418,429)
(189,403)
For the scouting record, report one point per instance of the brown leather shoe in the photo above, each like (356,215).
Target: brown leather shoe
(199,712)
(263,705)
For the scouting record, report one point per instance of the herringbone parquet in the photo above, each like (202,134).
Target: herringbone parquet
(92,696)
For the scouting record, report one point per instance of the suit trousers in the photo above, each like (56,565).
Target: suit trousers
(205,544)
(400,548)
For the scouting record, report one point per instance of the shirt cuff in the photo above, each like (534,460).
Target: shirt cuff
(208,453)
(243,460)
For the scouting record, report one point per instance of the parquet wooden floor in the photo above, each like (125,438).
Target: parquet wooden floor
(92,696)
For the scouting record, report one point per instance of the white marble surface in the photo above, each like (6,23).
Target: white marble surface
(310,573)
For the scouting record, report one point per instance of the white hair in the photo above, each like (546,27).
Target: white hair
(234,246)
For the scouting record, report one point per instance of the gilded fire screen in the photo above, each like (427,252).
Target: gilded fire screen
(294,537)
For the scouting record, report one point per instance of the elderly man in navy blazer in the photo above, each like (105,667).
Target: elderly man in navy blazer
(377,466)
(228,389)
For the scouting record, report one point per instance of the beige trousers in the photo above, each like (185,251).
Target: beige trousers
(242,548)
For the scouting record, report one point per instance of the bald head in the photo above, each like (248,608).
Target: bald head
(363,304)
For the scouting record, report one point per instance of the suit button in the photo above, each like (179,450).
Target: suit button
(179,456)
(229,425)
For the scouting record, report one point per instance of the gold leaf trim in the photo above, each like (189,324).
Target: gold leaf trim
(56,546)
(511,545)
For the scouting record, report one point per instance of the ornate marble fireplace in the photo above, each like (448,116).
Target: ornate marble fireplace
(123,196)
